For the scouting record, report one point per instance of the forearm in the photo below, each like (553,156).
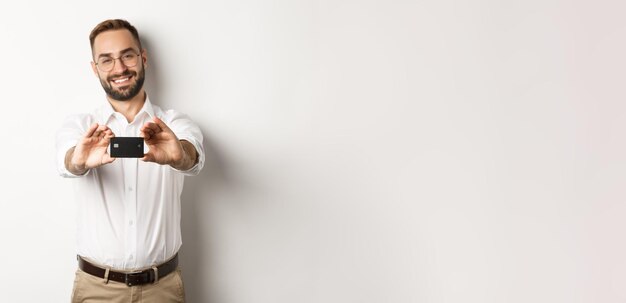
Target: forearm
(74,169)
(189,158)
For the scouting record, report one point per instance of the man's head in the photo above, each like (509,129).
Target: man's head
(119,61)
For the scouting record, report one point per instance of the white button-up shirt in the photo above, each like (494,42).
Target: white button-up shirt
(129,210)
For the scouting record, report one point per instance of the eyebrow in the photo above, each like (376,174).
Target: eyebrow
(121,52)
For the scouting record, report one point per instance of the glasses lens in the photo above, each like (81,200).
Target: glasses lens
(106,64)
(129,59)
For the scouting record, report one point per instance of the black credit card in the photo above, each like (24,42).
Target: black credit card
(126,147)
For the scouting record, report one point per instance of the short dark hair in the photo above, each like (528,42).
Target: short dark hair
(113,24)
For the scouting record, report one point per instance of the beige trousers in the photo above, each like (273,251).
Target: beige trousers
(91,289)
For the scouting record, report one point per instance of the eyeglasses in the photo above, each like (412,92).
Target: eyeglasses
(106,64)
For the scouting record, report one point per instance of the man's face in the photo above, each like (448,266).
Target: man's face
(122,82)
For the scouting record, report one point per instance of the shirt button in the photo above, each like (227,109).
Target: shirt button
(130,222)
(130,188)
(130,257)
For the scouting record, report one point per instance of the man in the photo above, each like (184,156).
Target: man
(128,208)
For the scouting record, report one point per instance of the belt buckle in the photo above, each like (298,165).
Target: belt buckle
(132,274)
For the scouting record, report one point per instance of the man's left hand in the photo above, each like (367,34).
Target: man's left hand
(165,148)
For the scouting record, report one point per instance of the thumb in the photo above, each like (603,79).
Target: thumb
(148,157)
(106,159)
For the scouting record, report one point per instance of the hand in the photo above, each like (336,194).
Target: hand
(165,148)
(91,150)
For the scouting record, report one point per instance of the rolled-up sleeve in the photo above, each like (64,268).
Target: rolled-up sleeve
(67,136)
(186,129)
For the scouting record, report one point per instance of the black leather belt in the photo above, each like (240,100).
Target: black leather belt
(133,278)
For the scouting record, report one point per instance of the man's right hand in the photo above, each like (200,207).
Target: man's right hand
(91,150)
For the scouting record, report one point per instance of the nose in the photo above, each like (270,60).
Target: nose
(118,66)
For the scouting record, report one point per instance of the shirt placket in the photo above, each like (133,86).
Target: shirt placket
(130,201)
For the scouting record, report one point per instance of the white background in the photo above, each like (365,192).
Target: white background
(358,151)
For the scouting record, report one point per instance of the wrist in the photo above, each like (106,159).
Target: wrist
(188,157)
(179,160)
(79,169)
(72,163)
(180,163)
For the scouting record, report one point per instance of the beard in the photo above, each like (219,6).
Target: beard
(127,92)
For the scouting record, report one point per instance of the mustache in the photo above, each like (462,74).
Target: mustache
(124,74)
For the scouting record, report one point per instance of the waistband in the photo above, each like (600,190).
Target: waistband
(147,276)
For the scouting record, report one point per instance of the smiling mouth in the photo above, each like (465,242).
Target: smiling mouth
(122,81)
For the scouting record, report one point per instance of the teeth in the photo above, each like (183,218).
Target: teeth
(121,80)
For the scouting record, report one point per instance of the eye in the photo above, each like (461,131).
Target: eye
(105,61)
(128,56)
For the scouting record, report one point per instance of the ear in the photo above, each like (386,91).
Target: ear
(94,68)
(144,57)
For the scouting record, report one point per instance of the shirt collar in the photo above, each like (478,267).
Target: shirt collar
(107,110)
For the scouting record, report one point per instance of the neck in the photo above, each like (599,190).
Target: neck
(131,107)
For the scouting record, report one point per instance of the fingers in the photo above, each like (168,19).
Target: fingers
(99,132)
(104,135)
(151,129)
(146,133)
(161,124)
(91,130)
(155,126)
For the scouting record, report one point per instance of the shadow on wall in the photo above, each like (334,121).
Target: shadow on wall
(153,76)
(195,255)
